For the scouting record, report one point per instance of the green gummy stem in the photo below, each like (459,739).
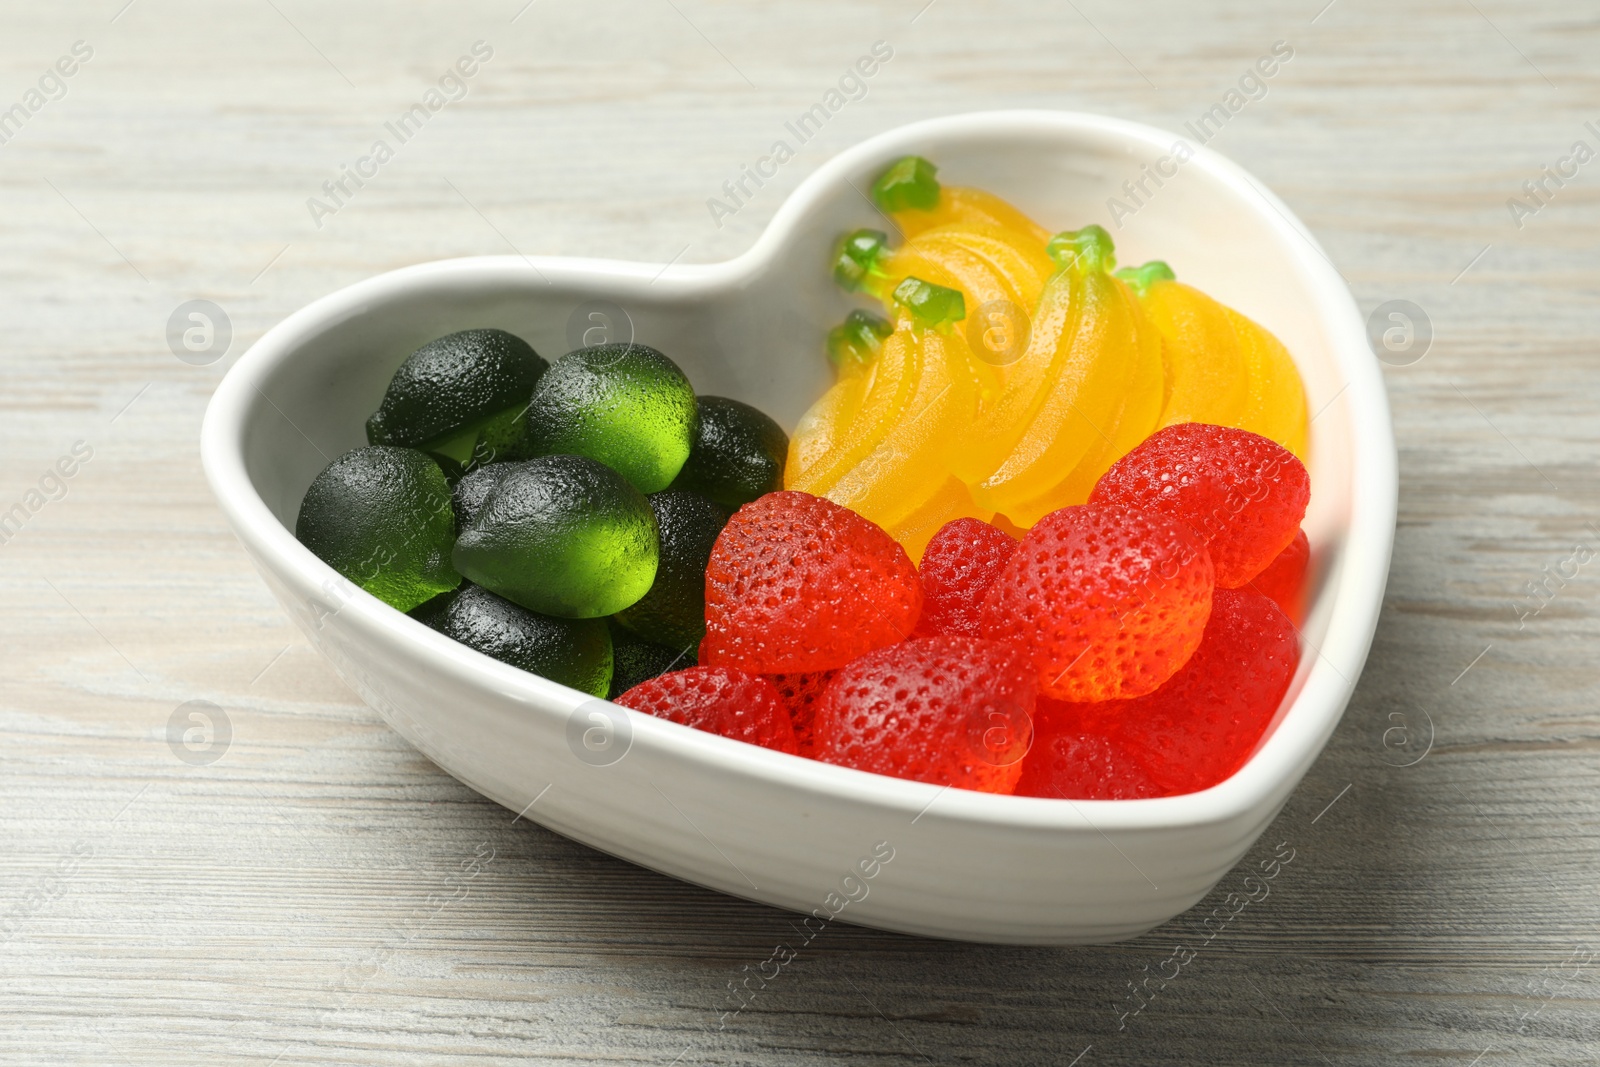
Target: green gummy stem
(930,304)
(1088,249)
(909,183)
(1142,277)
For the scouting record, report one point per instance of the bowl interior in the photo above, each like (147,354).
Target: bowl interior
(753,328)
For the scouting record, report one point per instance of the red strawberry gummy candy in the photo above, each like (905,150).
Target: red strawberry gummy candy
(1076,757)
(1284,580)
(950,710)
(1199,728)
(718,700)
(1241,493)
(958,566)
(1111,601)
(1190,734)
(801,693)
(798,583)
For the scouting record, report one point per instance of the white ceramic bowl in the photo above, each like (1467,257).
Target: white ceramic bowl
(759,824)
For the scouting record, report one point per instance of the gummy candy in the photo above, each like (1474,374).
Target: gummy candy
(429,611)
(635,660)
(673,612)
(910,193)
(738,453)
(1284,580)
(951,500)
(624,405)
(562,535)
(1006,526)
(798,583)
(960,563)
(381,517)
(856,261)
(801,693)
(855,343)
(908,183)
(1201,726)
(462,397)
(1206,376)
(1087,389)
(984,268)
(473,488)
(984,265)
(1239,493)
(1277,408)
(1111,600)
(1077,756)
(1222,368)
(719,700)
(932,306)
(879,446)
(574,652)
(950,710)
(1192,733)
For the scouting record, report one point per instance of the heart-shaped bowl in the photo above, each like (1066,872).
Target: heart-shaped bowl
(830,842)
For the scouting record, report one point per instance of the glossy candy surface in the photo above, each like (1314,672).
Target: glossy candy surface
(1111,601)
(1222,368)
(1192,733)
(461,397)
(962,560)
(720,700)
(738,453)
(473,488)
(635,660)
(1041,360)
(801,693)
(673,612)
(1242,495)
(1284,580)
(798,583)
(1202,725)
(1086,390)
(949,710)
(562,535)
(575,652)
(381,516)
(880,445)
(1076,755)
(624,405)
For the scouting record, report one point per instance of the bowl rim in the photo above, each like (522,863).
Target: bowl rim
(1301,730)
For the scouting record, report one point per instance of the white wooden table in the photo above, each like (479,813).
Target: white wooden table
(280,903)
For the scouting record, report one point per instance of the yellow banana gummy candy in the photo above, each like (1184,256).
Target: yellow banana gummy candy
(910,194)
(877,442)
(1223,368)
(1092,354)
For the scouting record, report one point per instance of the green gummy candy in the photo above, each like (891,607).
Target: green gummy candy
(473,488)
(673,612)
(1089,249)
(624,405)
(909,182)
(856,341)
(857,257)
(738,453)
(574,652)
(931,305)
(381,517)
(462,398)
(562,535)
(635,660)
(1142,278)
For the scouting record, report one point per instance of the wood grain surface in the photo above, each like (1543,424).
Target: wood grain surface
(282,903)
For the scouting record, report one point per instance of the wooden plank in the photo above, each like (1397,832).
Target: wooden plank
(273,907)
